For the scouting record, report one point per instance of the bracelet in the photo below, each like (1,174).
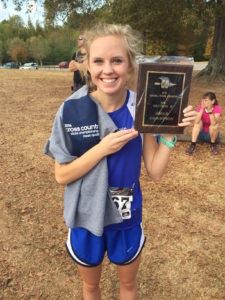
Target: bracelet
(169,144)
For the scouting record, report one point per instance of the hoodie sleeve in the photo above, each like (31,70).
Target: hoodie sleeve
(58,145)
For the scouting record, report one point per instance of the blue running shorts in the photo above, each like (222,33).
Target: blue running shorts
(122,246)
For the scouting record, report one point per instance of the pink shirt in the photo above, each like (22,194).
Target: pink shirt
(205,116)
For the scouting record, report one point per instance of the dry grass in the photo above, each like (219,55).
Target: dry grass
(184,256)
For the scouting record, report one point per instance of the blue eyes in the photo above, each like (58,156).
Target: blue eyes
(115,61)
(97,61)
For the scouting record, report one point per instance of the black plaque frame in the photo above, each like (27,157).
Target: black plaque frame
(162,94)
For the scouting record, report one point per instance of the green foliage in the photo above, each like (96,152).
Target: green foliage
(38,48)
(17,50)
(171,27)
(208,47)
(50,44)
(61,43)
(1,51)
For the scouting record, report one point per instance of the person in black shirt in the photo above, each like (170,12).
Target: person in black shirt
(76,65)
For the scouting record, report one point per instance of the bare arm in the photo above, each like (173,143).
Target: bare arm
(199,116)
(155,156)
(113,142)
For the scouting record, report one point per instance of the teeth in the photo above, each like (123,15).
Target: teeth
(109,80)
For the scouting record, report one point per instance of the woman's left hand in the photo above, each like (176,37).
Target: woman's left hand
(189,116)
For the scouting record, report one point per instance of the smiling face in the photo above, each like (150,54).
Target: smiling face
(207,102)
(109,65)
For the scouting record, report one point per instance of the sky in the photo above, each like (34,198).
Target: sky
(36,12)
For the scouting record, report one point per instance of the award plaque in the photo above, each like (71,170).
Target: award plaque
(162,93)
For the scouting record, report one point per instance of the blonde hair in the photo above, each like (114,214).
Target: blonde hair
(132,41)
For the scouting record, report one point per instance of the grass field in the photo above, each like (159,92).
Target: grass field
(183,216)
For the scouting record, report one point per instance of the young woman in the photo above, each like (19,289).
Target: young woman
(87,143)
(206,127)
(76,65)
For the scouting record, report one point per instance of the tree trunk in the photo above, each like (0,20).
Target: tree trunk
(216,65)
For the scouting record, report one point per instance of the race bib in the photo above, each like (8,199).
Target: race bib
(122,197)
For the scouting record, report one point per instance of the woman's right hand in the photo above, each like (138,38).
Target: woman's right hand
(114,141)
(73,66)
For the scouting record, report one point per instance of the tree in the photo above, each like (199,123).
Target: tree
(216,65)
(166,23)
(167,27)
(14,26)
(61,42)
(208,47)
(1,51)
(17,50)
(38,48)
(63,9)
(60,9)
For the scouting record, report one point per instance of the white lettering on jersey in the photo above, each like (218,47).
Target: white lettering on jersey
(86,131)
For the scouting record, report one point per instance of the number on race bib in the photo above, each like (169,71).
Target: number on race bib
(123,204)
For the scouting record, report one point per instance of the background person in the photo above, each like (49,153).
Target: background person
(111,51)
(76,65)
(206,126)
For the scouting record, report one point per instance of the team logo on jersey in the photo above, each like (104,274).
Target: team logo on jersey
(86,131)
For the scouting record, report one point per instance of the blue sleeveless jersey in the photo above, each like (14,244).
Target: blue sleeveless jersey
(124,166)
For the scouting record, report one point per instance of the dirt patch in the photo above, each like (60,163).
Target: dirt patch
(184,256)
